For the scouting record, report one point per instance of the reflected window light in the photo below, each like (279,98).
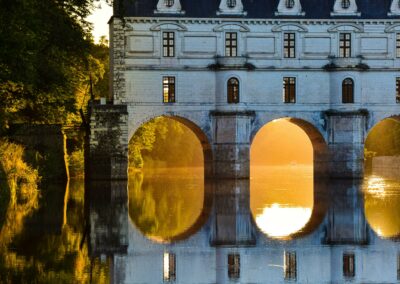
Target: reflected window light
(398,266)
(290,265)
(169,267)
(233,266)
(349,268)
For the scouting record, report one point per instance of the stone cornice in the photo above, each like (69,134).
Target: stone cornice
(184,20)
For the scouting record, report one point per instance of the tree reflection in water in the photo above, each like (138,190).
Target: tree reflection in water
(166,203)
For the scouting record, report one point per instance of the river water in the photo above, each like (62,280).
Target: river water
(170,225)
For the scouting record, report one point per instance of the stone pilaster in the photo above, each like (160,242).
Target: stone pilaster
(231,131)
(117,60)
(346,136)
(107,145)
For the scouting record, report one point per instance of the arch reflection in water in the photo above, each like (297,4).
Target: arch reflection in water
(382,205)
(166,188)
(282,178)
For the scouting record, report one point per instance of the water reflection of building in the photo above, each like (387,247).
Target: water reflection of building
(337,245)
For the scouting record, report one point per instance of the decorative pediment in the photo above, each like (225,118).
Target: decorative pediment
(231,27)
(289,8)
(230,7)
(169,7)
(168,26)
(289,27)
(394,8)
(345,8)
(346,28)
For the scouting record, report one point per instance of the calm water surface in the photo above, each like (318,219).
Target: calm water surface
(172,226)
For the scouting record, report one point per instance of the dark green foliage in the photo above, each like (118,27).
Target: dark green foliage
(384,138)
(45,57)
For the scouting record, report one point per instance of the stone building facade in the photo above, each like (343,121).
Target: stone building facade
(226,68)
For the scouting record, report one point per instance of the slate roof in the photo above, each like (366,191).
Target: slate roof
(259,9)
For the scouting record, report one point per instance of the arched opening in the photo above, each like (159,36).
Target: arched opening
(283,188)
(382,179)
(233,91)
(348,91)
(168,199)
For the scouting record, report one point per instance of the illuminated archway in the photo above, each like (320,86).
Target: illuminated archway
(168,196)
(285,199)
(382,181)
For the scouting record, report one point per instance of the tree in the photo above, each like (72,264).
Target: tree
(45,57)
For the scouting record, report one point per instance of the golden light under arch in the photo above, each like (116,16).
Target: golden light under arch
(282,183)
(382,188)
(169,201)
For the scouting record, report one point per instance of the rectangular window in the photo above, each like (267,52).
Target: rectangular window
(231,44)
(345,45)
(398,90)
(289,45)
(349,269)
(398,45)
(168,44)
(168,89)
(169,274)
(233,266)
(289,90)
(290,265)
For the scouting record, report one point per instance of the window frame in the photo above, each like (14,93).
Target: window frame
(169,97)
(168,44)
(348,93)
(345,45)
(289,4)
(398,90)
(233,266)
(230,93)
(231,44)
(349,265)
(169,3)
(289,44)
(397,40)
(289,89)
(345,4)
(290,265)
(231,4)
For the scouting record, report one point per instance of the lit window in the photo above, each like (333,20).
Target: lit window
(231,44)
(345,4)
(169,267)
(398,45)
(168,89)
(349,269)
(289,4)
(345,45)
(289,89)
(290,266)
(233,266)
(398,90)
(169,3)
(348,91)
(233,91)
(231,3)
(168,44)
(289,45)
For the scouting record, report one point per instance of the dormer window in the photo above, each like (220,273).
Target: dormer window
(231,3)
(345,4)
(169,3)
(289,4)
(169,7)
(345,8)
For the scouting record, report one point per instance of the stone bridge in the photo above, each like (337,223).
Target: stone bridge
(226,135)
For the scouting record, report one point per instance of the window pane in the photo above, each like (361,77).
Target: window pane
(349,270)
(289,89)
(233,266)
